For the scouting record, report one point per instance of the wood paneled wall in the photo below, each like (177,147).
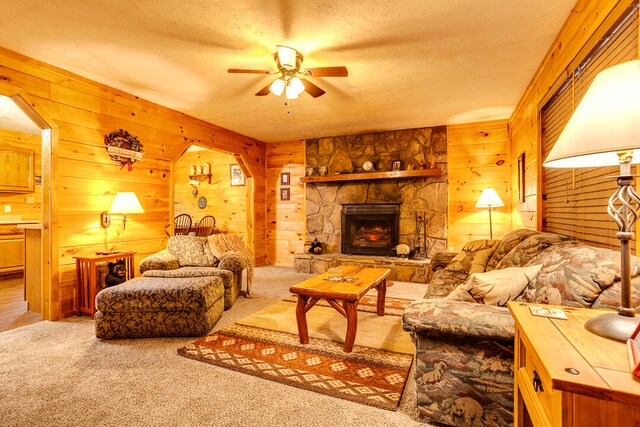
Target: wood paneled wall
(18,201)
(573,40)
(479,156)
(227,204)
(85,179)
(286,219)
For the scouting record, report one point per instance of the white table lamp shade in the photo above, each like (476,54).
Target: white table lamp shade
(606,121)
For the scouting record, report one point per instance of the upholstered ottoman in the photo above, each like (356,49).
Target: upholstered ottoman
(158,307)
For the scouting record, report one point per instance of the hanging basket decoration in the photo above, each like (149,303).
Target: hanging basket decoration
(123,148)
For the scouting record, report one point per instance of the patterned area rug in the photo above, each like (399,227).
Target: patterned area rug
(366,375)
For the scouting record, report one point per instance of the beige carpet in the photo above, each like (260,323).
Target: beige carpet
(59,374)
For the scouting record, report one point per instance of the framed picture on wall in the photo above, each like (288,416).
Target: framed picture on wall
(285,178)
(521,182)
(237,177)
(285,193)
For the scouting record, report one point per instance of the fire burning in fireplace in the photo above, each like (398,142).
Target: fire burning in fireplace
(376,235)
(370,229)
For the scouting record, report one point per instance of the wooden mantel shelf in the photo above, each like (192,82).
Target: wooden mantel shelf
(418,173)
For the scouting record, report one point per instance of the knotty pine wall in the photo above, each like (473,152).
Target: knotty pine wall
(572,41)
(85,179)
(227,204)
(479,156)
(18,201)
(285,220)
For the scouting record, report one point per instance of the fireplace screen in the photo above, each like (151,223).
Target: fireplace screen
(370,229)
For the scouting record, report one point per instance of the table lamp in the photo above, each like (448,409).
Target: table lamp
(489,199)
(604,130)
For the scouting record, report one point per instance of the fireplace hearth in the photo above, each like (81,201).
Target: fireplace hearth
(370,229)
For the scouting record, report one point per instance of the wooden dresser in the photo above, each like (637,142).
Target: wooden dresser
(566,376)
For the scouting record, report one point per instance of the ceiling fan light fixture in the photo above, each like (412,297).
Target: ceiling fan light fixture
(287,57)
(291,93)
(277,87)
(296,84)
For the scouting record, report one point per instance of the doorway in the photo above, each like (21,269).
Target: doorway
(21,202)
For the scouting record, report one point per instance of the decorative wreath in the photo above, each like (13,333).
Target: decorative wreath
(123,148)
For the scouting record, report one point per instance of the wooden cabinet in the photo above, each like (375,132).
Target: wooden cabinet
(566,376)
(11,249)
(16,174)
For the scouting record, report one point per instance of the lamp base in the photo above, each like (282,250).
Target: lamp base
(613,326)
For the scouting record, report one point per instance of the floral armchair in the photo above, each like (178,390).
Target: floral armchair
(190,256)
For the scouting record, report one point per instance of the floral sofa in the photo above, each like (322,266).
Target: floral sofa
(464,334)
(190,256)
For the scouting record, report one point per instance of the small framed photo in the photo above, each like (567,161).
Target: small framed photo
(285,178)
(285,193)
(237,177)
(396,165)
(522,196)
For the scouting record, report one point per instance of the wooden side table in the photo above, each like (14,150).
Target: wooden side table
(566,376)
(86,277)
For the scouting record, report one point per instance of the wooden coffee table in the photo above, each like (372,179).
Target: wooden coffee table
(342,295)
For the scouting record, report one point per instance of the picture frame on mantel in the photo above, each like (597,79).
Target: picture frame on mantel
(237,177)
(396,165)
(285,178)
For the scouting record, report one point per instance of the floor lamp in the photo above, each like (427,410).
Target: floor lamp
(604,130)
(489,199)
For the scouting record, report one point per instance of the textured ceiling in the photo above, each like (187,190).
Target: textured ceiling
(13,118)
(412,63)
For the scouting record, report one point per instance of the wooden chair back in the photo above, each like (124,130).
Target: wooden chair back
(182,224)
(206,226)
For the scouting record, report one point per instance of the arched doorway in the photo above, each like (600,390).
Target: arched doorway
(40,263)
(213,182)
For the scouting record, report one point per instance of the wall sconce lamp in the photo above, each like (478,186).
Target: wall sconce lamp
(124,203)
(489,199)
(604,130)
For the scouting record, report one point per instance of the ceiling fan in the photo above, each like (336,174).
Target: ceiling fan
(291,79)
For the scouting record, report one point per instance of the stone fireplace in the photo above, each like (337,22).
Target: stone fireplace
(412,197)
(370,229)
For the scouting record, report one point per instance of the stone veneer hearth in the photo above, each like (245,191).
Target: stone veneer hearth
(427,146)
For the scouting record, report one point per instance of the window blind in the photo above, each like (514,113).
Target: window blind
(575,200)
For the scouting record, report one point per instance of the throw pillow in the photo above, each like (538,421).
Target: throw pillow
(190,251)
(473,257)
(495,287)
(510,241)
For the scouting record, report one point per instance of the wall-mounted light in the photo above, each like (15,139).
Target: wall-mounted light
(124,203)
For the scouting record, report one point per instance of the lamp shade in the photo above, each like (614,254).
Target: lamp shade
(606,121)
(286,56)
(277,87)
(296,84)
(291,93)
(489,199)
(126,203)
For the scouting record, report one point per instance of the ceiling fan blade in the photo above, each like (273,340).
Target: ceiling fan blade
(245,71)
(328,71)
(312,89)
(265,90)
